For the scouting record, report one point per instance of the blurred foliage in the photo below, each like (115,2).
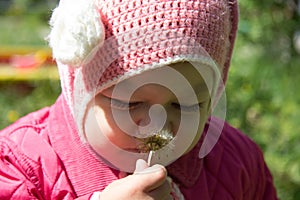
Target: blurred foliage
(39,8)
(262,92)
(25,31)
(25,21)
(19,98)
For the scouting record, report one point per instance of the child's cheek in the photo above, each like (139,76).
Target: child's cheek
(115,135)
(199,133)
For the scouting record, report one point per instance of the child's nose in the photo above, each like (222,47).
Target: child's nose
(158,117)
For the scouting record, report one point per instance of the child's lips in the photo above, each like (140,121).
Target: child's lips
(133,150)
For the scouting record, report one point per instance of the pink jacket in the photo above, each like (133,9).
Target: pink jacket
(42,158)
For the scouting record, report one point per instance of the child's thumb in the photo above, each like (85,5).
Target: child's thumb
(149,178)
(140,165)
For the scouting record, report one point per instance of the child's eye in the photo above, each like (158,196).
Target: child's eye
(191,108)
(115,103)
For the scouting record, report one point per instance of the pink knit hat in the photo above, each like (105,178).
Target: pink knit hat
(99,43)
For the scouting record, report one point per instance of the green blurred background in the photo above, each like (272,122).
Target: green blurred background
(262,91)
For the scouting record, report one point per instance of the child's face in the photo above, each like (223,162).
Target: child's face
(111,103)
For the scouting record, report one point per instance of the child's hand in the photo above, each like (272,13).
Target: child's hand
(146,183)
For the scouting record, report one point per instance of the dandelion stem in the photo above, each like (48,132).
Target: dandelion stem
(149,158)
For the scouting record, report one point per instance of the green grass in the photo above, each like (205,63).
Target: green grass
(18,98)
(23,30)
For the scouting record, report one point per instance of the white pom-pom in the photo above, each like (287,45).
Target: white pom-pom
(77,32)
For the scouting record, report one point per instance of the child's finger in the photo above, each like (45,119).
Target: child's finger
(140,165)
(151,177)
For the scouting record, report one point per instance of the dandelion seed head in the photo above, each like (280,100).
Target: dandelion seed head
(156,141)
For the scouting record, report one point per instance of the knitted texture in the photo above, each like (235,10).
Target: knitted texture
(151,31)
(141,35)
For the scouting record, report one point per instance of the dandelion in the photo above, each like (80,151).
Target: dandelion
(155,142)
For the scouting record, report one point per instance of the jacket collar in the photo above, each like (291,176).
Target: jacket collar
(186,170)
(79,160)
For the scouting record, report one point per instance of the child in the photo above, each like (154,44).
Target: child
(141,81)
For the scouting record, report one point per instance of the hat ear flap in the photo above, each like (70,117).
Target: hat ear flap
(76,32)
